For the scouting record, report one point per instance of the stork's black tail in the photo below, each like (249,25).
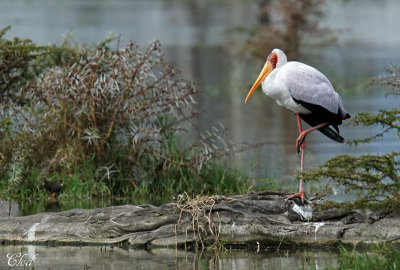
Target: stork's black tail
(326,130)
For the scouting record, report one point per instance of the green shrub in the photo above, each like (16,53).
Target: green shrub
(373,177)
(22,60)
(383,258)
(110,124)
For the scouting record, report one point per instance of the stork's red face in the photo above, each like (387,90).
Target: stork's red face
(269,66)
(273,58)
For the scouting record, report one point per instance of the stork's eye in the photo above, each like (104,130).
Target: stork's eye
(273,58)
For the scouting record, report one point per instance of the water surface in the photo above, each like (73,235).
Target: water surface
(66,258)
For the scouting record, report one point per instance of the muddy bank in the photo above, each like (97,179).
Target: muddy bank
(237,221)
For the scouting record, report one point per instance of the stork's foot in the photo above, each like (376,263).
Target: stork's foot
(300,141)
(297,195)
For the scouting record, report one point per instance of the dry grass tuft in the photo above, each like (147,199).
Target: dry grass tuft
(201,209)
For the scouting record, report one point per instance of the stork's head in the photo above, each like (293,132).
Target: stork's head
(276,59)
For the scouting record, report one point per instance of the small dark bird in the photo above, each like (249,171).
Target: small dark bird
(53,187)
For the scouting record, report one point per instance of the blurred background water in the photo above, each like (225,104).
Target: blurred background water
(201,38)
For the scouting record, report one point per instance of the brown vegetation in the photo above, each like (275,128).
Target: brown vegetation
(288,25)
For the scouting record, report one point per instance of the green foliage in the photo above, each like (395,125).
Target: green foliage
(391,80)
(22,60)
(387,119)
(383,258)
(373,177)
(109,123)
(213,178)
(85,183)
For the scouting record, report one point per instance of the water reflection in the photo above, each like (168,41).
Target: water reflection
(63,258)
(52,206)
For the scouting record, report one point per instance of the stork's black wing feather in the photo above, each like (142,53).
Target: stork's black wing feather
(321,114)
(326,130)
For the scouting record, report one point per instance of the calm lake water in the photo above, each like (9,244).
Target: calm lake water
(72,258)
(198,37)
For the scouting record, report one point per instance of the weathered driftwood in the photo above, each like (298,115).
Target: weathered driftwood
(243,220)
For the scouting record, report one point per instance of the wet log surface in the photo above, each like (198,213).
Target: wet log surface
(238,221)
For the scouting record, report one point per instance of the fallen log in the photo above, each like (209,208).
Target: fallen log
(265,219)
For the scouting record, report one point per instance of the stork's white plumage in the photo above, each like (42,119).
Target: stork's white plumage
(305,91)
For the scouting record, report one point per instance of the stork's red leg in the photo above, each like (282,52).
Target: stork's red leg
(301,143)
(303,147)
(303,133)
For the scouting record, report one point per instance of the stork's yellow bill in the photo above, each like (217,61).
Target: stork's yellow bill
(268,67)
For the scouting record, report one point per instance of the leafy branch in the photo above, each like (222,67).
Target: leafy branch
(373,177)
(387,119)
